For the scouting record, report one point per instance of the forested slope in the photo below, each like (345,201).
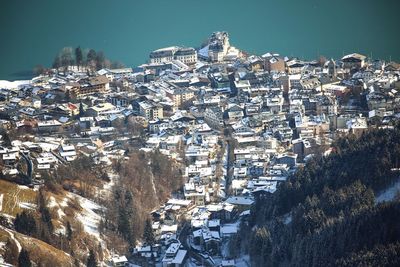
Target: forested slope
(334,218)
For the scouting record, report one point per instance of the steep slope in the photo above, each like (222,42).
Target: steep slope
(39,251)
(331,205)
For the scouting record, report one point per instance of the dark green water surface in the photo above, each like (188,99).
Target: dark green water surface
(32,32)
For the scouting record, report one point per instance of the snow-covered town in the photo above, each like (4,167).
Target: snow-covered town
(236,124)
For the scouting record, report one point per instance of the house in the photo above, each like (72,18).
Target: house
(255,63)
(150,110)
(228,263)
(195,193)
(357,125)
(234,113)
(10,158)
(91,85)
(115,74)
(67,152)
(180,96)
(353,61)
(273,63)
(119,261)
(66,110)
(220,81)
(174,256)
(100,109)
(295,67)
(86,122)
(289,159)
(49,126)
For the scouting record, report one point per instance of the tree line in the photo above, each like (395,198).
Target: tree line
(89,59)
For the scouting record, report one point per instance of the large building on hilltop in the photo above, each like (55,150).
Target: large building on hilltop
(186,55)
(218,46)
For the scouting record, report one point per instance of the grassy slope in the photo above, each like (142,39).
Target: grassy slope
(48,255)
(13,195)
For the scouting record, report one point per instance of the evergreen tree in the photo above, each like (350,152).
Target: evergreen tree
(11,252)
(23,259)
(148,235)
(46,218)
(5,135)
(25,223)
(81,110)
(69,231)
(78,56)
(66,57)
(91,59)
(67,96)
(91,260)
(124,225)
(100,59)
(57,62)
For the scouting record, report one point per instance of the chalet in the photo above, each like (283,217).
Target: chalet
(119,261)
(353,61)
(273,63)
(174,256)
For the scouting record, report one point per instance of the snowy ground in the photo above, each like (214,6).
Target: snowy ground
(13,85)
(88,216)
(389,193)
(27,205)
(106,191)
(287,218)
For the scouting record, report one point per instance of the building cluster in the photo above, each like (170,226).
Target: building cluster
(238,124)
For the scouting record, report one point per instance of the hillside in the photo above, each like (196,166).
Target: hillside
(78,210)
(330,204)
(12,242)
(72,228)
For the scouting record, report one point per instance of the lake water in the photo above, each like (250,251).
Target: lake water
(32,32)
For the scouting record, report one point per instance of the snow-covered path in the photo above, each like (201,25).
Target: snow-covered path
(153,184)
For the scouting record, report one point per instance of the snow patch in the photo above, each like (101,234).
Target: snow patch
(60,230)
(389,193)
(23,187)
(287,218)
(27,205)
(64,203)
(13,85)
(88,216)
(52,202)
(60,213)
(107,187)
